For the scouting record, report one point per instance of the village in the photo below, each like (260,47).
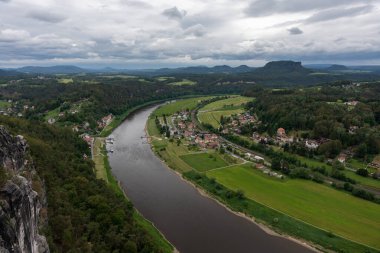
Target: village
(182,126)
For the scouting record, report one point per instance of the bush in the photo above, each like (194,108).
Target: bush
(362,172)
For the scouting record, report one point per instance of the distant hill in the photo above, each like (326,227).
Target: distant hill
(201,70)
(9,72)
(60,69)
(336,67)
(282,68)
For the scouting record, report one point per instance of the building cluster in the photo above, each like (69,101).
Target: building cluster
(88,139)
(234,123)
(105,121)
(14,108)
(281,138)
(183,127)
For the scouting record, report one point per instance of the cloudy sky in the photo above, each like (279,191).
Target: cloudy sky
(160,33)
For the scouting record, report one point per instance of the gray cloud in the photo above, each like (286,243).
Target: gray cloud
(5,1)
(295,31)
(260,8)
(46,16)
(197,30)
(174,13)
(336,13)
(135,3)
(142,31)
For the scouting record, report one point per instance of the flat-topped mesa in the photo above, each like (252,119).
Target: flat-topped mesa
(285,66)
(20,205)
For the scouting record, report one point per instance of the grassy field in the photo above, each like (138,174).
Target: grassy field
(65,80)
(316,204)
(183,104)
(213,117)
(171,153)
(4,104)
(183,82)
(98,158)
(164,78)
(234,101)
(204,161)
(52,114)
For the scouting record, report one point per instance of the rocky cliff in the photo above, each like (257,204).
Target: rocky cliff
(20,204)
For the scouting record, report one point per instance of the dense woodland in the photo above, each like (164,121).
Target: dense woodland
(84,214)
(100,95)
(321,112)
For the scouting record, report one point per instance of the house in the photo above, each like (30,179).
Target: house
(258,158)
(351,103)
(87,138)
(311,144)
(51,121)
(260,166)
(213,144)
(281,132)
(187,134)
(107,119)
(341,158)
(191,126)
(181,125)
(353,129)
(225,131)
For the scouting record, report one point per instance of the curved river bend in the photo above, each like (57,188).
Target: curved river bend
(190,221)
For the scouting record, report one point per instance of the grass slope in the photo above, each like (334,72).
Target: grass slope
(204,161)
(225,103)
(213,117)
(183,104)
(319,205)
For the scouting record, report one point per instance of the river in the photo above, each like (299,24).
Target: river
(190,221)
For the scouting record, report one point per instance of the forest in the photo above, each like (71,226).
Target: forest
(85,215)
(343,114)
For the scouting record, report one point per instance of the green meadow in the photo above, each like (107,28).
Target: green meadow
(204,161)
(233,101)
(179,105)
(316,204)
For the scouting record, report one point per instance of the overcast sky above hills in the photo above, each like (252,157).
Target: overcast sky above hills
(137,33)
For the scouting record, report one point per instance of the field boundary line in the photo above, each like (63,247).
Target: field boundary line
(220,168)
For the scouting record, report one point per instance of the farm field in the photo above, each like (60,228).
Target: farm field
(65,80)
(204,161)
(4,104)
(316,204)
(213,117)
(229,103)
(183,104)
(183,82)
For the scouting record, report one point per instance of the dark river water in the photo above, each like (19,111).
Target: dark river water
(190,221)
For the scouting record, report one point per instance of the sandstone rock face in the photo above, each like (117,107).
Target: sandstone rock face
(19,203)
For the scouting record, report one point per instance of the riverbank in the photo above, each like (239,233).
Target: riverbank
(277,222)
(204,192)
(103,171)
(120,118)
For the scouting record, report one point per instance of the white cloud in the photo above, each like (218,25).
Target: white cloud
(219,31)
(10,35)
